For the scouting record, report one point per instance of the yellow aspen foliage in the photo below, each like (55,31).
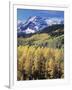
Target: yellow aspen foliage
(39,63)
(59,55)
(23,51)
(50,68)
(29,59)
(37,58)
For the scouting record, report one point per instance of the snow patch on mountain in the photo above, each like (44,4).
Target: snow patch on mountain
(32,19)
(28,31)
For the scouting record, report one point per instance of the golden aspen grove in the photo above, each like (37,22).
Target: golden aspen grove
(40,63)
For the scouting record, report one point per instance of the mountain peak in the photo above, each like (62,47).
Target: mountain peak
(37,23)
(32,18)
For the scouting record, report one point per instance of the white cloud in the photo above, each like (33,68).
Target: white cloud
(52,21)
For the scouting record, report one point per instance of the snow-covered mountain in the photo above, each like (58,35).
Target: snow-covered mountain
(37,23)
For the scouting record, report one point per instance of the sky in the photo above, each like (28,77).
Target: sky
(24,14)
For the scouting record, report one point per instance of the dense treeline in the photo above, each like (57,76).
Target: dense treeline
(39,63)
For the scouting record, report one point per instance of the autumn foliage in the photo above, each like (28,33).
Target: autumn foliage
(39,63)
